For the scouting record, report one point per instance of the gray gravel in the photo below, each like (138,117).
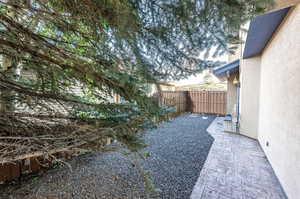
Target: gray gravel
(178,151)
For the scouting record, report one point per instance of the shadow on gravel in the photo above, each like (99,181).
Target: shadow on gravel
(178,151)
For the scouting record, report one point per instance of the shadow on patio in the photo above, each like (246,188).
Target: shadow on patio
(236,168)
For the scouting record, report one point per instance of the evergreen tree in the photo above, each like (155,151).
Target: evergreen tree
(104,47)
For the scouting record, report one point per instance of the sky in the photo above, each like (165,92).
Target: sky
(198,78)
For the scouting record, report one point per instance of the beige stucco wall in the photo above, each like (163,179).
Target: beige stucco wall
(237,54)
(249,97)
(284,3)
(279,115)
(240,47)
(231,95)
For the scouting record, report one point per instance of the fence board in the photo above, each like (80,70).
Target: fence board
(177,99)
(209,102)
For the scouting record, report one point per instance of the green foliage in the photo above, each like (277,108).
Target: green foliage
(107,48)
(35,179)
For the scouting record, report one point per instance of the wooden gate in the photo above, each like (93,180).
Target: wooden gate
(209,102)
(177,99)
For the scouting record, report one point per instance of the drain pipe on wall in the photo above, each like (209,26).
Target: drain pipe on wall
(238,108)
(236,82)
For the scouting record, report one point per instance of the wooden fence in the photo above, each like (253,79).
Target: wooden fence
(177,99)
(209,102)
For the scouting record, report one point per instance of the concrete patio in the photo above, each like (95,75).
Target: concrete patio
(236,168)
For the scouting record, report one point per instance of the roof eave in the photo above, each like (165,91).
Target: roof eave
(228,69)
(261,31)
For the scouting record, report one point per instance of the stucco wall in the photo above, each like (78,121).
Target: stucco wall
(284,3)
(240,47)
(231,95)
(279,116)
(249,100)
(237,54)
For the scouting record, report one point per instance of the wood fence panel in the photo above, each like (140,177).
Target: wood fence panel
(177,99)
(209,102)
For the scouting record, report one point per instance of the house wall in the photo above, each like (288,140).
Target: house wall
(231,95)
(236,55)
(284,3)
(249,102)
(167,88)
(279,115)
(239,51)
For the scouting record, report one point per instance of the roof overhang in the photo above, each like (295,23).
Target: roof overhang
(166,84)
(227,70)
(261,30)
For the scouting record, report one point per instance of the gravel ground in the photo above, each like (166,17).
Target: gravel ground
(178,151)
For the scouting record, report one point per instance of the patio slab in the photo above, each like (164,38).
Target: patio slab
(236,168)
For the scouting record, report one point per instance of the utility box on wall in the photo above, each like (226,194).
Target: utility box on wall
(230,124)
